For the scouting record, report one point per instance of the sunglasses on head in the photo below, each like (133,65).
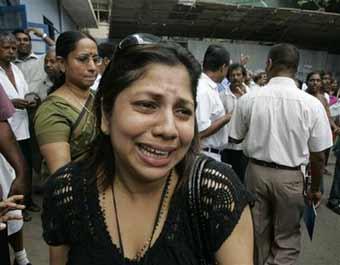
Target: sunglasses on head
(137,39)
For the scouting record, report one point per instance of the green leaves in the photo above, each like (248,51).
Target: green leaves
(322,5)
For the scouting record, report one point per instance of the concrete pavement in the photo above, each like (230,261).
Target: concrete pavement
(323,250)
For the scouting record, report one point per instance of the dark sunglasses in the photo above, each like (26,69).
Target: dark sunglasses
(137,39)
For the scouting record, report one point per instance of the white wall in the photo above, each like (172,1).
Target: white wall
(67,22)
(310,60)
(37,9)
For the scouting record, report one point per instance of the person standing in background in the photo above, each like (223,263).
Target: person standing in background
(31,65)
(15,86)
(233,153)
(24,42)
(105,52)
(64,123)
(40,84)
(333,92)
(11,186)
(210,113)
(282,127)
(326,78)
(238,73)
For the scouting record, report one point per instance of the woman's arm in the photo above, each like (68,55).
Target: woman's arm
(58,255)
(56,155)
(238,248)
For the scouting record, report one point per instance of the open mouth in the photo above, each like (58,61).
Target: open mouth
(152,152)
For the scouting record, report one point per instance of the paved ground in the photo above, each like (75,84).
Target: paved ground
(324,250)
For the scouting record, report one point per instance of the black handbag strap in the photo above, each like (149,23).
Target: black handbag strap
(196,213)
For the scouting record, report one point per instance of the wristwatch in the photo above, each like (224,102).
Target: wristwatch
(44,36)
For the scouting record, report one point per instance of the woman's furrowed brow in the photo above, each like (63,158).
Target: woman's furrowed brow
(155,95)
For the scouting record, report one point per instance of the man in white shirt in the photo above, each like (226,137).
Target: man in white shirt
(238,73)
(281,126)
(24,44)
(15,87)
(42,82)
(31,65)
(326,83)
(259,78)
(105,52)
(232,154)
(210,114)
(33,70)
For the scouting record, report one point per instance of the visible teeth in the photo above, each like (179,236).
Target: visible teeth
(147,150)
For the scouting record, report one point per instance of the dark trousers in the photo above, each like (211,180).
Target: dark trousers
(4,251)
(327,152)
(35,151)
(25,146)
(237,160)
(334,196)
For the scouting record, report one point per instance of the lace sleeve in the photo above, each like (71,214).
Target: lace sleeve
(223,198)
(57,201)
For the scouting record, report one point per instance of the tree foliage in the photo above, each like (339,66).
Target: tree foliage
(322,5)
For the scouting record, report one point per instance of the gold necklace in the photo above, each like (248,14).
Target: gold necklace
(79,102)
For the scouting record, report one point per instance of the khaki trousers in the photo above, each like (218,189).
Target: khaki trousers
(276,214)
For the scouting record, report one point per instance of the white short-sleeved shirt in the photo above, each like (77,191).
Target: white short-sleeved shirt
(229,101)
(280,123)
(33,70)
(19,121)
(42,87)
(209,109)
(32,67)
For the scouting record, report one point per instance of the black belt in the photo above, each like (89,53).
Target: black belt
(273,165)
(212,150)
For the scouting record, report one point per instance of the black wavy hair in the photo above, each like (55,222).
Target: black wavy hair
(66,43)
(126,67)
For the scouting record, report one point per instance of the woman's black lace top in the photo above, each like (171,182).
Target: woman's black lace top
(72,216)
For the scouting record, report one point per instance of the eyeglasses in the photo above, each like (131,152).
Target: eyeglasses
(85,59)
(137,39)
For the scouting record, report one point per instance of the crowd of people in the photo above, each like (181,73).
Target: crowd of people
(145,156)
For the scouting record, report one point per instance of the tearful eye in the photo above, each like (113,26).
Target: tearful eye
(184,113)
(146,106)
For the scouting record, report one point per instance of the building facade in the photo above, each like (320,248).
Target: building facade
(50,16)
(102,11)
